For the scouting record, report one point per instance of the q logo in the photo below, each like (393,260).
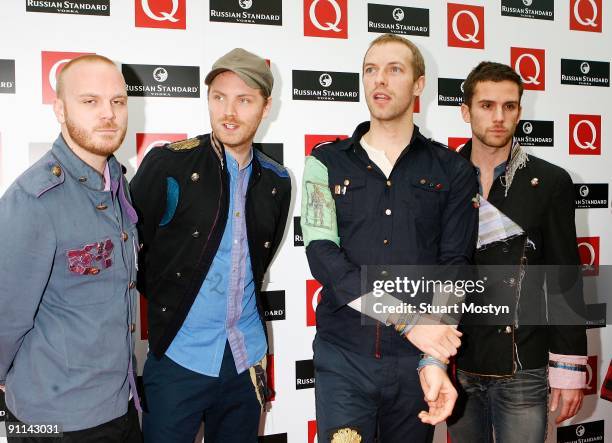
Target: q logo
(465,26)
(588,249)
(584,134)
(52,64)
(313,297)
(158,14)
(326,18)
(529,64)
(585,15)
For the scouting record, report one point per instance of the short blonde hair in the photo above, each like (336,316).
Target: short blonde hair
(418,63)
(89,58)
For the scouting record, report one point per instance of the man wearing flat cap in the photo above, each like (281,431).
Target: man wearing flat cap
(212,211)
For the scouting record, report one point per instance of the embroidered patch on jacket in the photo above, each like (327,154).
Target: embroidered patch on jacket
(184,145)
(172,198)
(346,435)
(91,258)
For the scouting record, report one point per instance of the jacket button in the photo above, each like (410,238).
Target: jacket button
(132,327)
(195,177)
(124,236)
(273,191)
(195,234)
(369,167)
(178,275)
(56,170)
(423,181)
(388,211)
(132,284)
(384,273)
(82,179)
(508,330)
(267,245)
(347,182)
(163,309)
(385,241)
(388,183)
(101,207)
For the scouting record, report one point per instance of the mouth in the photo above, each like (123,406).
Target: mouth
(107,130)
(381,97)
(230,126)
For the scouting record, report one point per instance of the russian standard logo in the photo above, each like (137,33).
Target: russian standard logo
(53,72)
(160,74)
(328,26)
(580,431)
(398,14)
(527,128)
(530,80)
(527,2)
(245,4)
(468,37)
(584,191)
(461,86)
(586,21)
(585,67)
(163,16)
(325,80)
(585,144)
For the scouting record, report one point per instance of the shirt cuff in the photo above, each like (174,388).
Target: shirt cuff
(567,371)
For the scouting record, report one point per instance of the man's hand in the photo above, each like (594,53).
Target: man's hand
(571,402)
(440,394)
(439,341)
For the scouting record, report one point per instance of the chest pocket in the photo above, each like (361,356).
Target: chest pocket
(426,196)
(349,194)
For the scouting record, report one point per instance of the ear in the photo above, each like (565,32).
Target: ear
(267,107)
(465,113)
(59,110)
(419,86)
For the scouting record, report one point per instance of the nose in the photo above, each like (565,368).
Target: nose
(230,108)
(107,111)
(381,77)
(498,115)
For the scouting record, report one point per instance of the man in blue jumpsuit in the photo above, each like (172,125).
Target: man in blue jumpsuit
(68,271)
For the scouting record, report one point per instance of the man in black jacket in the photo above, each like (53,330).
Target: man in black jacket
(528,233)
(386,196)
(212,212)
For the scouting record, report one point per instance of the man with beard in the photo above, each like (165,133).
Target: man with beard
(212,213)
(68,271)
(391,197)
(528,233)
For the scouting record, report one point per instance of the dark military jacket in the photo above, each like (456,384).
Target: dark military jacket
(181,193)
(541,201)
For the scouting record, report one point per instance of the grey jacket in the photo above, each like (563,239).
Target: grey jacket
(66,293)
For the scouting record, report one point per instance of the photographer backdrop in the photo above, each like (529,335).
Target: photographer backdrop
(315,48)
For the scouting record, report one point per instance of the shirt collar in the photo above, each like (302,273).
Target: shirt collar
(81,171)
(364,127)
(232,164)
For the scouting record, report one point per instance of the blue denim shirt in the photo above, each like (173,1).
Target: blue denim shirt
(497,172)
(67,295)
(224,309)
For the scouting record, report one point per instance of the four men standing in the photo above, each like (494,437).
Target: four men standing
(211,214)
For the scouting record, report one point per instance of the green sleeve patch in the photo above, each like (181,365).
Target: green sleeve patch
(318,218)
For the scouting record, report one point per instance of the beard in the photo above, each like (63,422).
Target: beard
(493,142)
(98,144)
(389,114)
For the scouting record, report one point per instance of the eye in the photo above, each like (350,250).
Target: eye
(119,102)
(89,101)
(486,105)
(369,70)
(396,69)
(510,106)
(245,100)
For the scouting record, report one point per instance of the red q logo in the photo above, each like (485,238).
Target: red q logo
(270,375)
(160,14)
(465,26)
(591,376)
(52,65)
(312,431)
(588,248)
(457,143)
(326,18)
(585,15)
(313,297)
(584,134)
(530,65)
(146,141)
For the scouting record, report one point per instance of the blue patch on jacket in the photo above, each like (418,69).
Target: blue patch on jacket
(268,163)
(172,198)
